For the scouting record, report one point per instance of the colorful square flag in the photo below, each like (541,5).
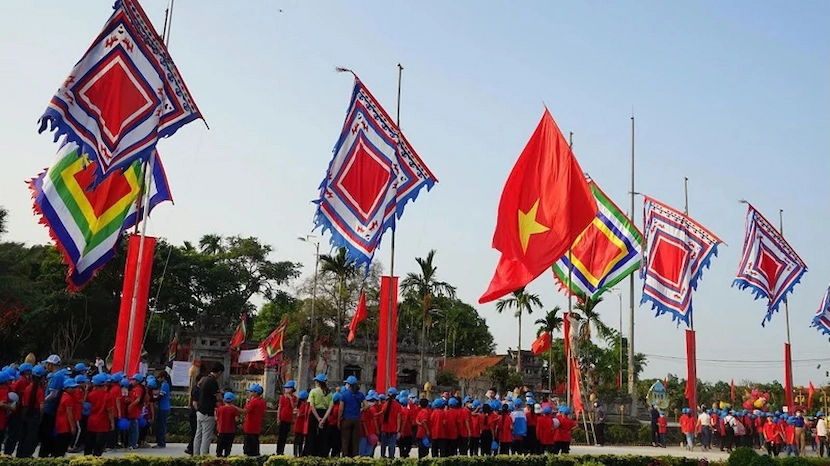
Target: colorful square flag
(123,95)
(821,321)
(769,267)
(677,251)
(373,174)
(606,252)
(86,222)
(272,345)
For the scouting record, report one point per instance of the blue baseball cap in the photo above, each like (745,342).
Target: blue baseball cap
(351,380)
(228,397)
(256,388)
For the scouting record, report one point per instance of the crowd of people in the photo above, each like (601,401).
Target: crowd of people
(344,421)
(776,432)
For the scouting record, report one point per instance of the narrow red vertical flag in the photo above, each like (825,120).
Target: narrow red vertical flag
(811,390)
(241,333)
(359,316)
(388,315)
(691,369)
(788,376)
(732,391)
(121,361)
(576,393)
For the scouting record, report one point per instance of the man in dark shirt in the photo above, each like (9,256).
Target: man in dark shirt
(194,403)
(209,396)
(599,423)
(655,435)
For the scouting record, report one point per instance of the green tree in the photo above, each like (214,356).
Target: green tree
(271,314)
(3,214)
(425,286)
(343,268)
(522,302)
(461,330)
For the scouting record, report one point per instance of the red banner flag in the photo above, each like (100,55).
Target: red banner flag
(732,391)
(241,334)
(576,393)
(121,361)
(388,334)
(359,316)
(811,390)
(541,344)
(272,345)
(788,376)
(546,203)
(691,369)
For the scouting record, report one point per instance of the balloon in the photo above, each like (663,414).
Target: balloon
(723,405)
(766,395)
(123,424)
(755,393)
(555,423)
(759,403)
(142,422)
(748,404)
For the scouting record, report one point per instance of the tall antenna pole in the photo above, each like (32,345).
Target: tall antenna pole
(390,325)
(570,301)
(141,217)
(632,389)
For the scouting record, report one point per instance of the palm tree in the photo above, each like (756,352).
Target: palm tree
(551,323)
(425,286)
(586,306)
(211,244)
(522,301)
(343,268)
(3,214)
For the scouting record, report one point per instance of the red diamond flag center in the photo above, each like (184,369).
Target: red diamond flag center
(123,95)
(770,267)
(373,174)
(677,251)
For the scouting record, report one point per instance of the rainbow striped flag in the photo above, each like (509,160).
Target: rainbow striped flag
(606,252)
(87,222)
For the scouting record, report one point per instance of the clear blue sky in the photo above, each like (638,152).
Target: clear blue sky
(733,95)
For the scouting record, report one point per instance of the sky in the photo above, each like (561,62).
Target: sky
(733,95)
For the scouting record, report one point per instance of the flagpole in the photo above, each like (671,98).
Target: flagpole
(632,389)
(141,217)
(788,365)
(389,324)
(786,306)
(692,335)
(570,301)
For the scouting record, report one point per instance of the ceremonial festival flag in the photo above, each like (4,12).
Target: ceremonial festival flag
(387,333)
(359,316)
(136,287)
(373,174)
(811,390)
(677,250)
(272,345)
(86,222)
(769,266)
(241,333)
(173,349)
(123,95)
(541,344)
(821,321)
(546,203)
(606,252)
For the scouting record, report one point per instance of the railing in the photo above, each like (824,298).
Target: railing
(239,383)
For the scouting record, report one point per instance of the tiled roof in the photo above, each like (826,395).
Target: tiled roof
(472,366)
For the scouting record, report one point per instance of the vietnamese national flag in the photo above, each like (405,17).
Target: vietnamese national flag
(541,344)
(510,276)
(359,316)
(546,203)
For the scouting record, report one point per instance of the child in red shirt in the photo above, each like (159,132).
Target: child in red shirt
(662,428)
(422,424)
(452,420)
(285,414)
(301,423)
(66,419)
(334,441)
(544,430)
(101,420)
(562,435)
(252,426)
(475,429)
(505,431)
(487,425)
(437,420)
(368,427)
(226,416)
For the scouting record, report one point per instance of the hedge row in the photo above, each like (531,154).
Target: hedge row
(741,457)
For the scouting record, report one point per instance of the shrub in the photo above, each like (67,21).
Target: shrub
(742,456)
(619,435)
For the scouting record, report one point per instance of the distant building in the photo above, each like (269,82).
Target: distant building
(471,371)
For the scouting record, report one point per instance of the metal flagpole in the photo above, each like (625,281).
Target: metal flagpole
(786,306)
(788,367)
(570,303)
(686,212)
(389,324)
(142,214)
(632,389)
(693,401)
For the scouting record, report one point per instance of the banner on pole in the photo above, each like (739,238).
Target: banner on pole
(388,321)
(121,361)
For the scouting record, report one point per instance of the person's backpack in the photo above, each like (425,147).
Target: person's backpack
(739,427)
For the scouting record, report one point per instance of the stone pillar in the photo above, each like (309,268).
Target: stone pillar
(302,363)
(271,388)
